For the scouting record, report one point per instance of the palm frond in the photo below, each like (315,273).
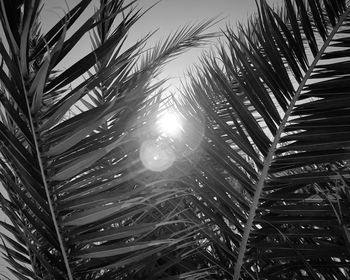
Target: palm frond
(79,201)
(271,189)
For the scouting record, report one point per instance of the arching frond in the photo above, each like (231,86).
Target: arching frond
(272,189)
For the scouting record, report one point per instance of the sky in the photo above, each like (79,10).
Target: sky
(169,15)
(166,16)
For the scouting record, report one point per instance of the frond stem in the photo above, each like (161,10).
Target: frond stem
(17,56)
(272,150)
(59,237)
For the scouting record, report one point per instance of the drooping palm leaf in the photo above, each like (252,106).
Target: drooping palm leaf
(79,201)
(272,188)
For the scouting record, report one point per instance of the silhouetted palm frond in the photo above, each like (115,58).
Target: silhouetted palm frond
(272,187)
(80,204)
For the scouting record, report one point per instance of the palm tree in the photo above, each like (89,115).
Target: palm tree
(78,201)
(271,187)
(263,195)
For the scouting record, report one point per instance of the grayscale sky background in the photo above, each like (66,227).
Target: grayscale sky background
(166,17)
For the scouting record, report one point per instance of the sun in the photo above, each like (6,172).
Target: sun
(169,124)
(158,154)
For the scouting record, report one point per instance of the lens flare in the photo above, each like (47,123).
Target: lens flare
(174,139)
(169,124)
(156,155)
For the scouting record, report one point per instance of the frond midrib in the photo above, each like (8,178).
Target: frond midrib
(272,150)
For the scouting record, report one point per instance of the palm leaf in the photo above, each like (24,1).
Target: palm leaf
(275,168)
(80,203)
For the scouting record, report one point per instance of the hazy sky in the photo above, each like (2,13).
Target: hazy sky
(166,17)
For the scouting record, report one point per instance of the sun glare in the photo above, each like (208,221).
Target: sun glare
(156,156)
(169,124)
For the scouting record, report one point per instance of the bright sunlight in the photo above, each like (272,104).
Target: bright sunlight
(169,124)
(158,154)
